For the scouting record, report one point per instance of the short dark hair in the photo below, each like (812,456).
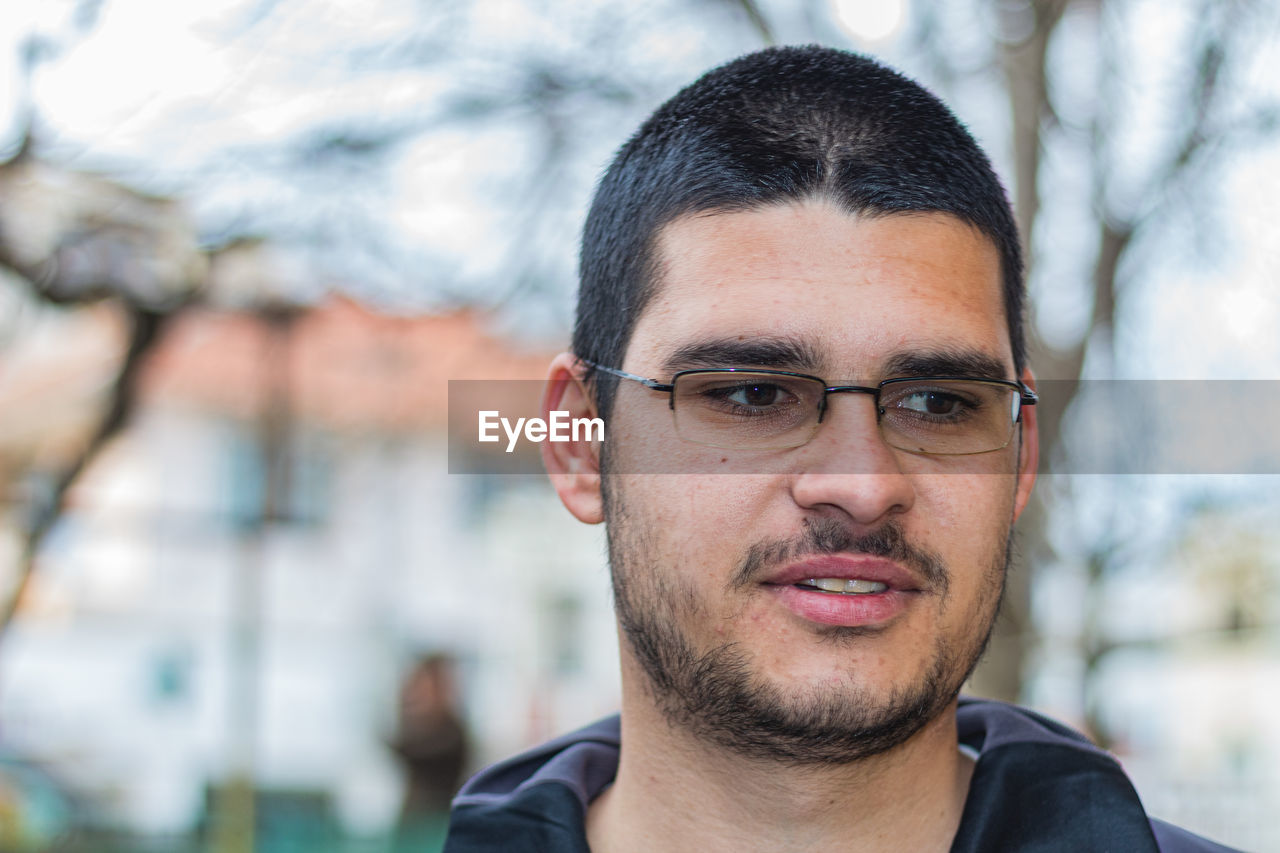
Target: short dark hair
(783,124)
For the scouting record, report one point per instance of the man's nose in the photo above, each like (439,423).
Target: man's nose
(847,466)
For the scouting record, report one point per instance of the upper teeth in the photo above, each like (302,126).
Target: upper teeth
(842,585)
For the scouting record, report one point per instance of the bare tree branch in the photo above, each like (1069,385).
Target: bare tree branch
(1023,60)
(756,17)
(147,325)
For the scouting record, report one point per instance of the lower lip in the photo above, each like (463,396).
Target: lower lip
(833,608)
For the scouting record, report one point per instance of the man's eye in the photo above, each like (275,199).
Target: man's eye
(938,404)
(757,395)
(748,398)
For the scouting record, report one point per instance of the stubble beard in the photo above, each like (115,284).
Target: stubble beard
(717,695)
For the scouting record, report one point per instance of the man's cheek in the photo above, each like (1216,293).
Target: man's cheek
(956,501)
(968,517)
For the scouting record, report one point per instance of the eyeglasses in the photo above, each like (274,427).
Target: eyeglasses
(777,409)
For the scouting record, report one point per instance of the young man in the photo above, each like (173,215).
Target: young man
(801,319)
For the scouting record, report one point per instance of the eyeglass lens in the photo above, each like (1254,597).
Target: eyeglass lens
(771,411)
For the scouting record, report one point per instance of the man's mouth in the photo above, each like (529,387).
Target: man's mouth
(850,590)
(843,586)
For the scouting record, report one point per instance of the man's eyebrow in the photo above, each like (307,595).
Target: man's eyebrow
(757,351)
(945,363)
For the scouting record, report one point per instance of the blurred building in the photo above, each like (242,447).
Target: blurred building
(1189,684)
(249,571)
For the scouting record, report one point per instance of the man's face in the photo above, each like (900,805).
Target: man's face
(706,564)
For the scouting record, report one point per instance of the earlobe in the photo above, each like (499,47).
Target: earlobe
(1028,451)
(573,466)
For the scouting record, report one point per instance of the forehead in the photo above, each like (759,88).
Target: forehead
(854,291)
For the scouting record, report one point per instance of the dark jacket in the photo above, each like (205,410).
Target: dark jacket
(1037,786)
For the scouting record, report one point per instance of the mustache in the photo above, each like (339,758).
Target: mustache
(826,536)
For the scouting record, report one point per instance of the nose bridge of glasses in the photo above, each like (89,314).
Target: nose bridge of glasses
(846,389)
(857,435)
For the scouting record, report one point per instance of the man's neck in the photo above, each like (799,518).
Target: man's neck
(677,792)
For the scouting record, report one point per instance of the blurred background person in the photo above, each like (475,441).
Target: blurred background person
(431,743)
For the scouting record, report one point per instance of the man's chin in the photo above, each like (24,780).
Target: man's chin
(804,718)
(826,731)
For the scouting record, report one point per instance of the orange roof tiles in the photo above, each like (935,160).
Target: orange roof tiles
(340,364)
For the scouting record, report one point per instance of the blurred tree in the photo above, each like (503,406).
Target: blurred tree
(470,185)
(76,240)
(329,187)
(1145,131)
(1233,558)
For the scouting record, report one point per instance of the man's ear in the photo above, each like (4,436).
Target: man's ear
(1028,449)
(574,466)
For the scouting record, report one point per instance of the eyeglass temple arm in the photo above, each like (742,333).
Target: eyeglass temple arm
(648,383)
